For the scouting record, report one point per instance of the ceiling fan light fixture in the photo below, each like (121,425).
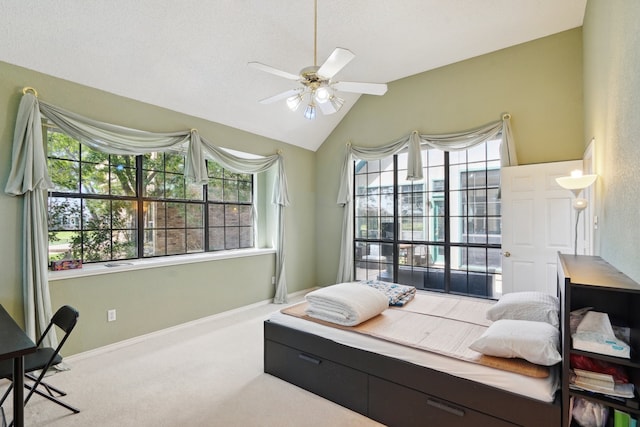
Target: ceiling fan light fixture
(317,81)
(322,94)
(310,111)
(336,102)
(293,102)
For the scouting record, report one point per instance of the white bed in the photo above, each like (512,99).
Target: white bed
(542,389)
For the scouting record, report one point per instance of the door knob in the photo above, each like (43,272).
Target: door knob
(507,254)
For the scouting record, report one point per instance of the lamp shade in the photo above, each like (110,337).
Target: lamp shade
(576,182)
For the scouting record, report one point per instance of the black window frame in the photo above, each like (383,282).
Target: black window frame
(394,248)
(244,203)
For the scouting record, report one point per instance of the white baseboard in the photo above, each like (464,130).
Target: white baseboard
(120,344)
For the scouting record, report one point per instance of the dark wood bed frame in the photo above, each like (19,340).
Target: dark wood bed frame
(392,391)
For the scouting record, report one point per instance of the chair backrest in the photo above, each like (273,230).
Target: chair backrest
(65,318)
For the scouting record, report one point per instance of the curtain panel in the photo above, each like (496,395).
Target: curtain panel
(29,178)
(413,143)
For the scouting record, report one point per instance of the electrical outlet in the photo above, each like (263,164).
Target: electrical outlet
(111,315)
(273,280)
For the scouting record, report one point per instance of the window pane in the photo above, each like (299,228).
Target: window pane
(61,146)
(153,184)
(244,191)
(246,215)
(176,242)
(215,193)
(246,237)
(216,215)
(195,241)
(194,192)
(232,237)
(176,215)
(154,215)
(155,242)
(123,181)
(231,215)
(361,184)
(215,170)
(89,155)
(195,215)
(174,163)
(125,244)
(94,178)
(433,157)
(124,214)
(96,214)
(216,238)
(64,244)
(153,162)
(64,213)
(96,245)
(65,175)
(230,191)
(174,186)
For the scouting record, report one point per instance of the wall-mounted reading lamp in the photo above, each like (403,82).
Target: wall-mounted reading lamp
(576,183)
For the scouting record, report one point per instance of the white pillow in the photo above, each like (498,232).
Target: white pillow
(537,342)
(536,306)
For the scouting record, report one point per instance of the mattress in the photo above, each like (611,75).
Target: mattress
(542,389)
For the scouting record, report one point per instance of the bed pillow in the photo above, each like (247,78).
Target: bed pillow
(537,342)
(535,306)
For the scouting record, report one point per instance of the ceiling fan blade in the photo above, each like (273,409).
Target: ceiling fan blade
(359,87)
(335,62)
(269,69)
(282,95)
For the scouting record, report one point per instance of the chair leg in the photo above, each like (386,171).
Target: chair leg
(48,386)
(51,398)
(6,393)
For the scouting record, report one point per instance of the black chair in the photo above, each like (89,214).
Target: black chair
(65,318)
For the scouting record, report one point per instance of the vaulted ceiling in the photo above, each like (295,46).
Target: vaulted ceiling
(191,55)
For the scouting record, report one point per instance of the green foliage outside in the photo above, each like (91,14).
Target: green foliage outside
(102,225)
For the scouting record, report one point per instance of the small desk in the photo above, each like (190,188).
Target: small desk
(14,344)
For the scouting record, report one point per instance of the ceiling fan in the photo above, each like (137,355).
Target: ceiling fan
(317,84)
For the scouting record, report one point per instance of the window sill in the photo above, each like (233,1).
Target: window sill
(140,264)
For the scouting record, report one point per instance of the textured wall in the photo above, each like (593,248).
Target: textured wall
(612,118)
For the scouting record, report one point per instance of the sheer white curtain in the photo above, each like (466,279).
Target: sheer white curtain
(29,178)
(413,142)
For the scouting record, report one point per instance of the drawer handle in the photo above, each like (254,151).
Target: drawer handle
(447,408)
(309,359)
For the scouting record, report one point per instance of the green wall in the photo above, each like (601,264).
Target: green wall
(151,299)
(612,107)
(539,83)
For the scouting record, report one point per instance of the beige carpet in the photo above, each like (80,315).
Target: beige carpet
(208,373)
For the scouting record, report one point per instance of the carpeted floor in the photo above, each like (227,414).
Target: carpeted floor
(207,373)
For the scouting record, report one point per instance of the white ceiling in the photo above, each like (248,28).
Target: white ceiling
(191,55)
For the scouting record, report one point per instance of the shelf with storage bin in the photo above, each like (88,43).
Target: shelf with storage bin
(589,281)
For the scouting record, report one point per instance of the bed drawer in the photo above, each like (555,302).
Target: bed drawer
(395,405)
(338,383)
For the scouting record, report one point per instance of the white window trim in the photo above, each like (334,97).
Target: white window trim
(95,269)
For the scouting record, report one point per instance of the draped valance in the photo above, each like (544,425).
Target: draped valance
(29,178)
(413,143)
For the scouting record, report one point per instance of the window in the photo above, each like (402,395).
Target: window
(440,233)
(113,207)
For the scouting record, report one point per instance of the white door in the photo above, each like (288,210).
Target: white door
(537,222)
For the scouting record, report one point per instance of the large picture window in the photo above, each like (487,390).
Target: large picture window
(113,207)
(442,232)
